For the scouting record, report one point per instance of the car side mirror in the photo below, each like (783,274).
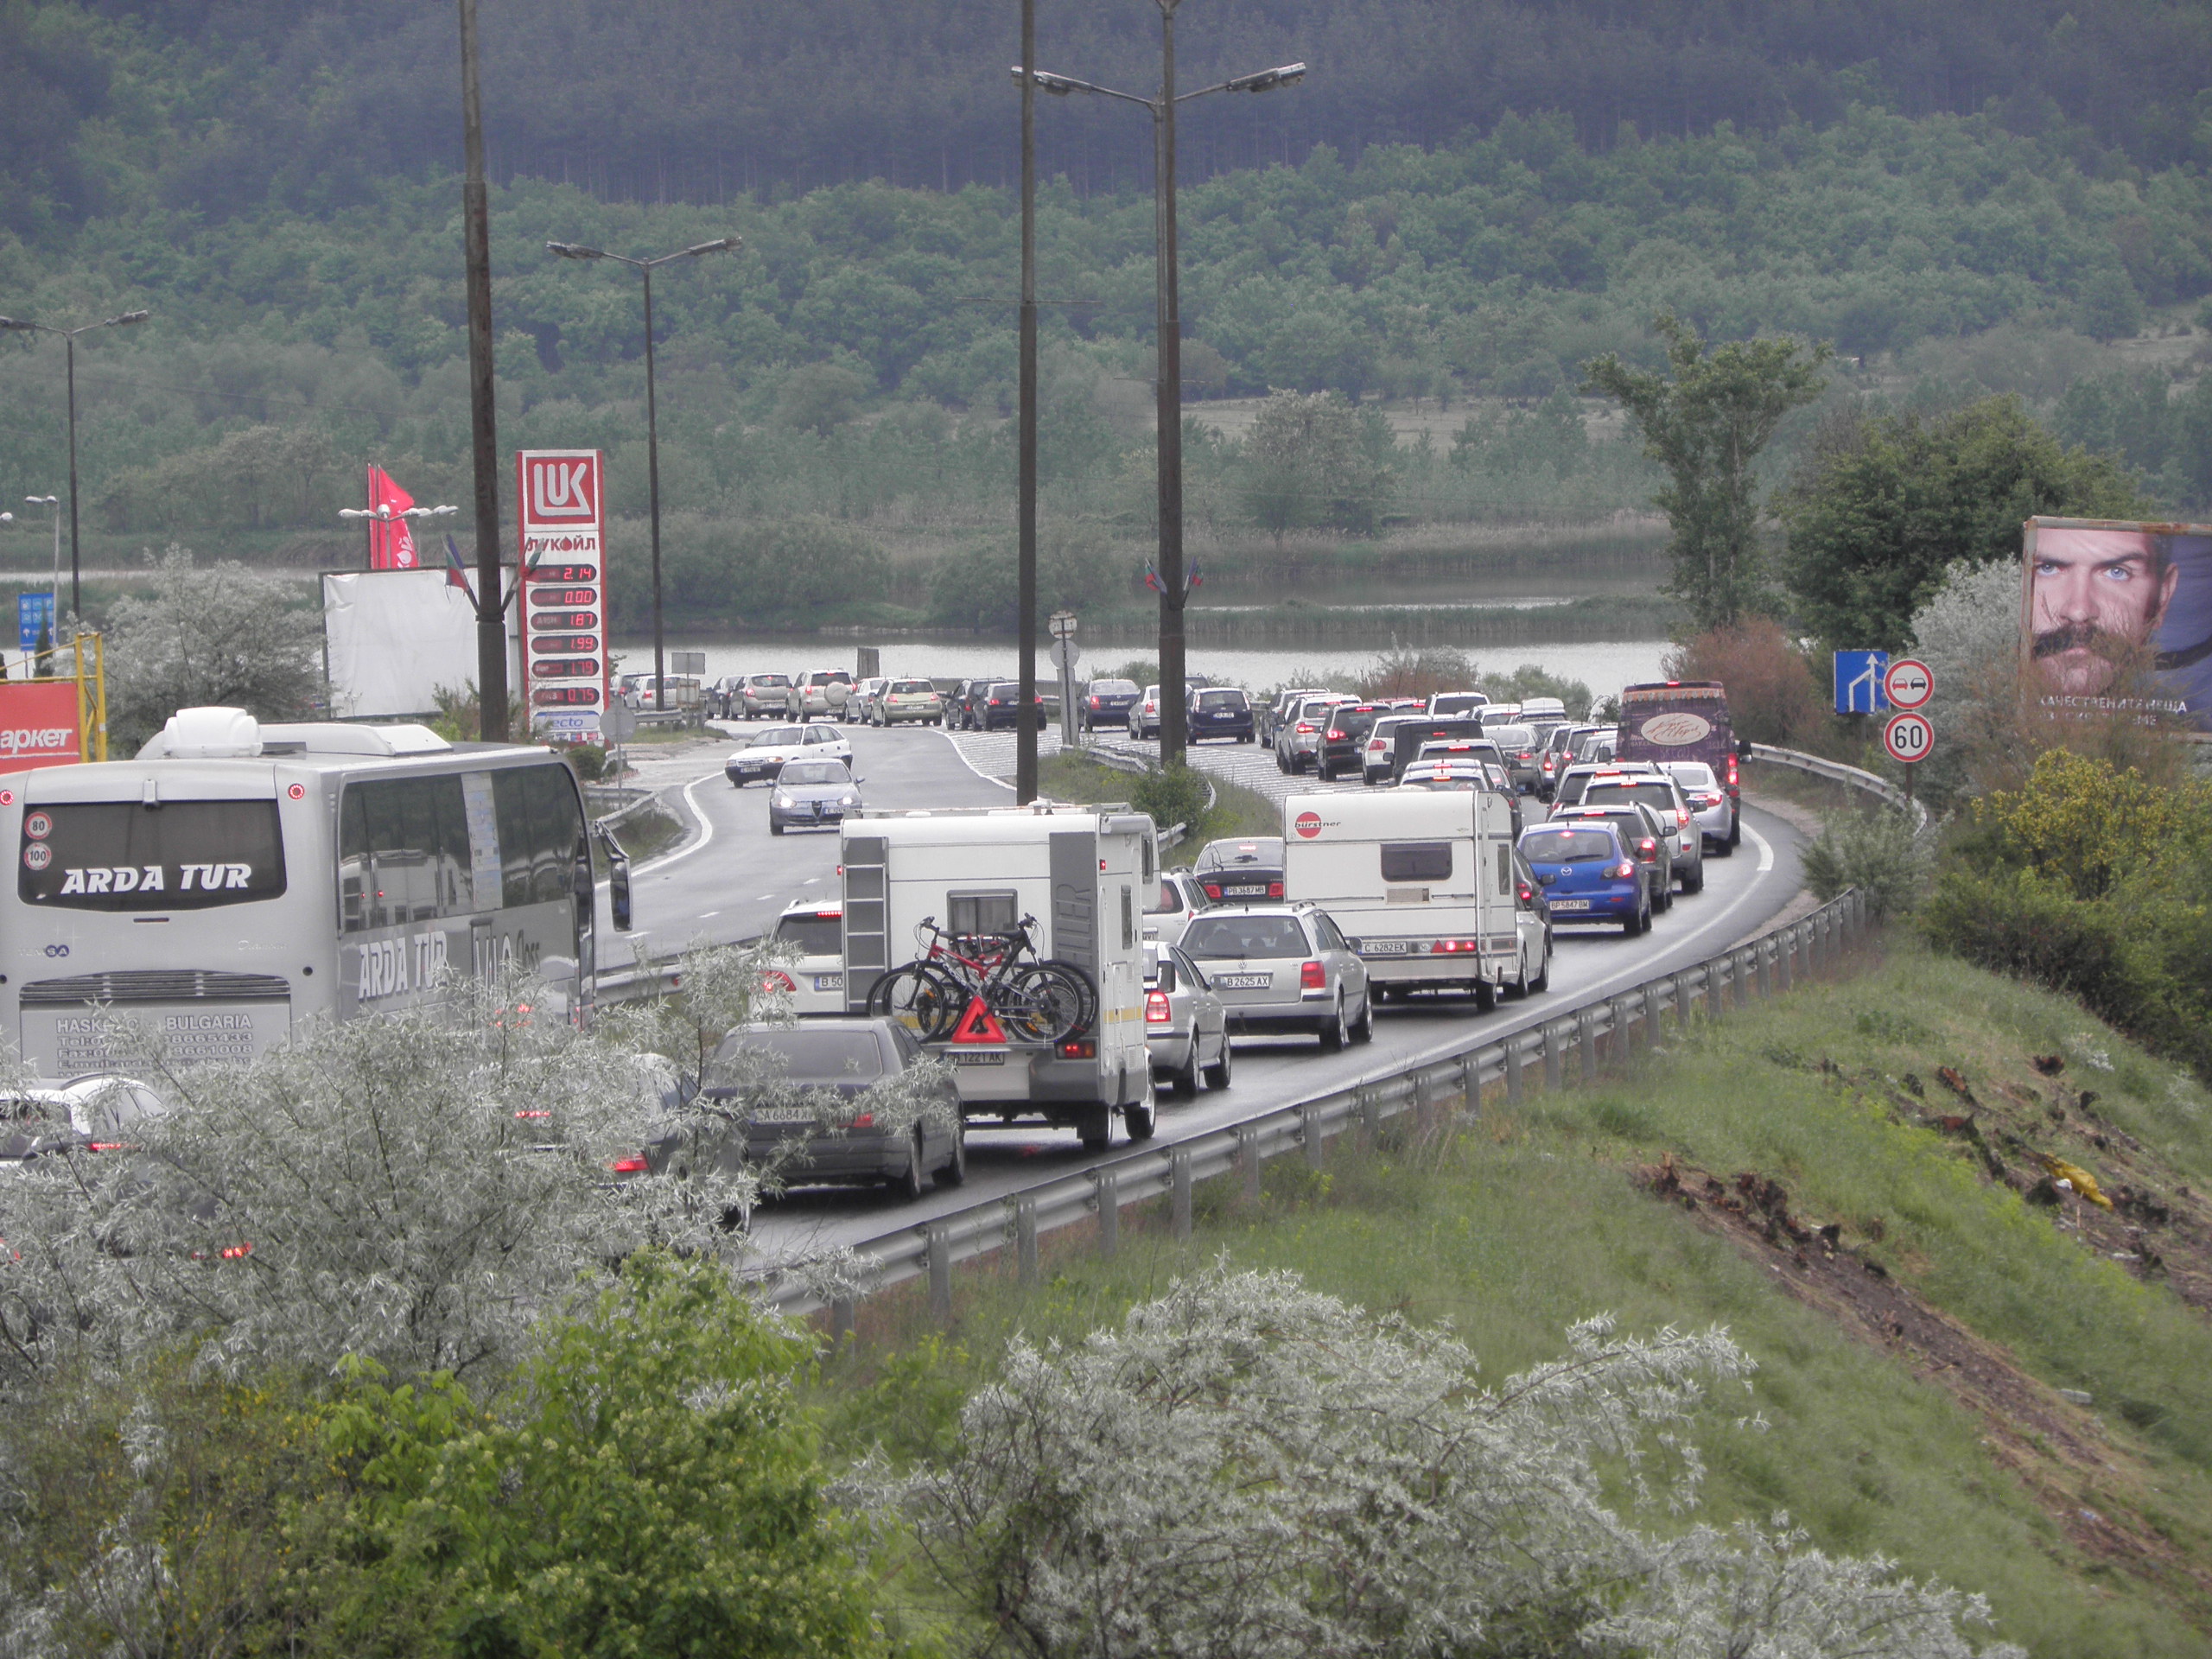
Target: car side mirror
(618,879)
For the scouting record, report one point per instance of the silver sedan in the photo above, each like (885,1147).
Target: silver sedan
(1283,968)
(1186,1026)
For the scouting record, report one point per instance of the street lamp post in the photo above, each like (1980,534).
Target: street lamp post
(69,343)
(1168,327)
(645,267)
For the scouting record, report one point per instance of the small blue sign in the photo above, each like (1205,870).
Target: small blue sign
(1858,681)
(34,615)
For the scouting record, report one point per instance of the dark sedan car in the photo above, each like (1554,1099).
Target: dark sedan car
(1220,711)
(1107,702)
(813,1123)
(1240,872)
(1000,705)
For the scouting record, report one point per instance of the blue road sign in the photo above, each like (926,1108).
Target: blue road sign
(1858,681)
(34,612)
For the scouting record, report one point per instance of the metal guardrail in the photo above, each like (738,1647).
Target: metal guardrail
(1836,772)
(1616,1022)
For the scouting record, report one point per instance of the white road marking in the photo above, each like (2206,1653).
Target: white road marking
(706,827)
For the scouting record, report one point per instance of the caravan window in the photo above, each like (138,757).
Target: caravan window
(1416,861)
(972,913)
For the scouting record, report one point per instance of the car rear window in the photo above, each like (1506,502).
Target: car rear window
(1568,846)
(1166,900)
(1511,737)
(816,935)
(1692,774)
(769,679)
(1656,794)
(816,1056)
(1264,851)
(1222,699)
(1457,702)
(907,687)
(1213,937)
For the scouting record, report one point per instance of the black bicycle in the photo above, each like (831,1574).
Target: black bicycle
(960,978)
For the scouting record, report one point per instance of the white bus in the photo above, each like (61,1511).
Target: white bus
(236,878)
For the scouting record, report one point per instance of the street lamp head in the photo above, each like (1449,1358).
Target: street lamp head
(43,501)
(355,512)
(1267,79)
(441,512)
(11,322)
(127,318)
(574,250)
(725,244)
(1058,86)
(7,518)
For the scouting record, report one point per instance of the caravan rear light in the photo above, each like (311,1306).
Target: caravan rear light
(1156,1009)
(1454,947)
(1313,978)
(1082,1048)
(1274,889)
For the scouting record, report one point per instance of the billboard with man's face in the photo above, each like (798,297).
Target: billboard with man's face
(2105,602)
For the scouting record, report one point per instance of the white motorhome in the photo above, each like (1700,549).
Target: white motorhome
(1085,873)
(1421,882)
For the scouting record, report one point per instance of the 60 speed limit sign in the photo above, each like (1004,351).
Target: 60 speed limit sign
(1909,738)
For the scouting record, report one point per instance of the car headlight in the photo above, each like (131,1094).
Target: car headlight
(785,800)
(848,800)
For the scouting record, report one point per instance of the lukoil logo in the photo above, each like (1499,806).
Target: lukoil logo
(561,489)
(22,739)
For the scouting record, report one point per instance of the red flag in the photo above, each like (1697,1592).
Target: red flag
(392,542)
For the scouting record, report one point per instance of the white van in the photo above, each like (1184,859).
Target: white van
(1086,874)
(1421,881)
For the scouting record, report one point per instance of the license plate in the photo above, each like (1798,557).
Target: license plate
(1249,893)
(1245,981)
(985,1056)
(1570,904)
(1384,948)
(783,1115)
(828,982)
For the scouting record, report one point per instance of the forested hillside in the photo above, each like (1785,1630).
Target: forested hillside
(269,180)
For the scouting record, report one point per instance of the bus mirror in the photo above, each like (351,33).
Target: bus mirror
(618,879)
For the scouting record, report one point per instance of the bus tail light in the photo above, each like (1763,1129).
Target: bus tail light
(1311,977)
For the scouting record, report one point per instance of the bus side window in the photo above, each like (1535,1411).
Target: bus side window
(413,841)
(355,897)
(540,823)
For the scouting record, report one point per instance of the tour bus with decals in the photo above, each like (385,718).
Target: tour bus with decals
(237,879)
(1422,883)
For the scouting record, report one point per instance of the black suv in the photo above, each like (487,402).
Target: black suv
(1219,711)
(1240,872)
(1344,740)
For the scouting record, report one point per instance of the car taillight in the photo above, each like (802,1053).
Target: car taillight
(1682,817)
(533,1112)
(1647,848)
(1527,755)
(1336,734)
(1304,725)
(632,1165)
(1621,870)
(1156,1011)
(1313,978)
(995,701)
(236,1252)
(1212,892)
(108,1145)
(1274,889)
(864,1121)
(1527,893)
(776,980)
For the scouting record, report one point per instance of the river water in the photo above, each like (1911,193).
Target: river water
(1604,667)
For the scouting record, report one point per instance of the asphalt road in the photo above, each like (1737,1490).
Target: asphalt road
(733,882)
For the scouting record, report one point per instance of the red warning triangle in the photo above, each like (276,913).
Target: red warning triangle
(979,1024)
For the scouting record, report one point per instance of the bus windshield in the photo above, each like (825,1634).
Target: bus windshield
(126,855)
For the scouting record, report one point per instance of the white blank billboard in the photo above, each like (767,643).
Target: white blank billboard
(392,638)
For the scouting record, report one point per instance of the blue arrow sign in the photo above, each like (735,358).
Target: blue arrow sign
(34,614)
(1858,681)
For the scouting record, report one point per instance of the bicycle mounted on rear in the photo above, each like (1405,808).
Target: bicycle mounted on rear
(958,976)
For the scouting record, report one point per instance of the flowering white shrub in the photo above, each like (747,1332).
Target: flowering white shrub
(416,1188)
(1250,1470)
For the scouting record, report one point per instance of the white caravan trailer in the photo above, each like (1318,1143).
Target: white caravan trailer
(1086,874)
(1421,880)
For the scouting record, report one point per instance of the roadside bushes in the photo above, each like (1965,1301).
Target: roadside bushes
(2092,880)
(1874,851)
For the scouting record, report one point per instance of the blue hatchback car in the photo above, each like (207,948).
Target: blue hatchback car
(1589,875)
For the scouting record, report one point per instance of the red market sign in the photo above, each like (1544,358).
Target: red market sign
(38,725)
